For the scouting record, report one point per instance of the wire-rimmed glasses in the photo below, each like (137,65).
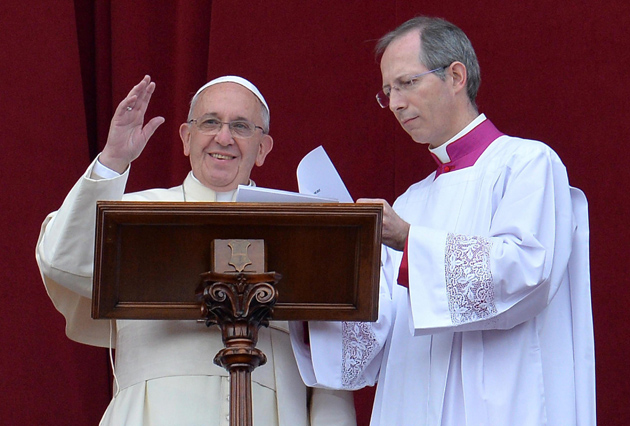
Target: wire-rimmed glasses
(210,126)
(403,85)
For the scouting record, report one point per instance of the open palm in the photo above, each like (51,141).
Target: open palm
(128,135)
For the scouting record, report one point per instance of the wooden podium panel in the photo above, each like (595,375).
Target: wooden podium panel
(149,257)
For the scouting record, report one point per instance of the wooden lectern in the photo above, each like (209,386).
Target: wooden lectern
(160,260)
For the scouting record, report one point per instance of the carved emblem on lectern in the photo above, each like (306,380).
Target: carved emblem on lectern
(236,256)
(239,257)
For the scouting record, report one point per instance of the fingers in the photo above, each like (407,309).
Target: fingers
(395,230)
(141,87)
(137,100)
(387,209)
(128,135)
(126,105)
(152,126)
(384,203)
(146,91)
(372,200)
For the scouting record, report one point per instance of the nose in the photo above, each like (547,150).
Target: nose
(397,100)
(224,136)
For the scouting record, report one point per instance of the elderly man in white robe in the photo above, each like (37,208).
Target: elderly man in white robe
(162,370)
(485,315)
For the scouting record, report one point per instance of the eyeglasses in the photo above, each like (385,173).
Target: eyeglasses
(402,85)
(238,128)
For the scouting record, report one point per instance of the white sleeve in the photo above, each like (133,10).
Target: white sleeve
(504,276)
(102,171)
(581,314)
(344,355)
(65,255)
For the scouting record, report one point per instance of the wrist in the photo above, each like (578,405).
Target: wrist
(115,164)
(402,240)
(100,171)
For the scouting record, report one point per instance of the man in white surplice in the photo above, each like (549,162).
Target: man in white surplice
(164,375)
(484,315)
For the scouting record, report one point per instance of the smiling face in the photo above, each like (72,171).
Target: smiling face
(222,162)
(433,111)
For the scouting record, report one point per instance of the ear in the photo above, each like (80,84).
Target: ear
(184,134)
(265,147)
(460,76)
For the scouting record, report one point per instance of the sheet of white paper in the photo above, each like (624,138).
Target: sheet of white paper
(316,175)
(254,194)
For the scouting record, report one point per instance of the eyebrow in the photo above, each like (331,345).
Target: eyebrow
(399,79)
(215,115)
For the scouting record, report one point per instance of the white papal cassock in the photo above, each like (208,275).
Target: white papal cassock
(495,327)
(164,369)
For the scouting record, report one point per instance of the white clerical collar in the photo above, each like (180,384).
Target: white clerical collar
(440,151)
(196,191)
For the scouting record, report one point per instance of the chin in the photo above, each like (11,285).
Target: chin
(419,139)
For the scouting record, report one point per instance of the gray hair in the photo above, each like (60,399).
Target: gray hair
(442,43)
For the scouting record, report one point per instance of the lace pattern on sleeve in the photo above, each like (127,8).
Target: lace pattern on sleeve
(359,347)
(469,278)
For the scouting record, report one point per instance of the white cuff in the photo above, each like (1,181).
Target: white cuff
(103,171)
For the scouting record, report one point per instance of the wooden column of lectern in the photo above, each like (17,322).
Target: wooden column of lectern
(237,265)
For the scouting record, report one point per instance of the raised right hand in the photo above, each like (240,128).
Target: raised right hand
(127,136)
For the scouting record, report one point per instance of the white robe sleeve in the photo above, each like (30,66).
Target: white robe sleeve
(582,317)
(344,355)
(65,256)
(507,273)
